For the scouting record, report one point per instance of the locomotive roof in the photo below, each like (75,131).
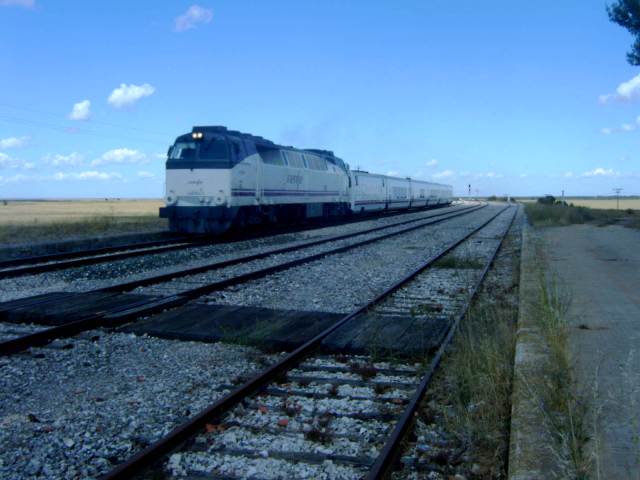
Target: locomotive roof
(257,139)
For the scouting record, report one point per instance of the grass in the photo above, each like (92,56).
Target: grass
(37,221)
(559,214)
(596,203)
(452,261)
(567,410)
(478,380)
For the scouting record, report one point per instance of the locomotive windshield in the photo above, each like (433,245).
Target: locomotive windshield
(183,151)
(208,153)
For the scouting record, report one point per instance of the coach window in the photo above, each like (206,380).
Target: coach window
(270,156)
(295,160)
(284,158)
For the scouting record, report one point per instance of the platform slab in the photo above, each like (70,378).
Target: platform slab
(288,329)
(267,328)
(59,308)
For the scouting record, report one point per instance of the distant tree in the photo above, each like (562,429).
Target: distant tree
(547,200)
(626,13)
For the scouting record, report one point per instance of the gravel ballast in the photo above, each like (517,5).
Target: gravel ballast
(102,275)
(341,282)
(75,413)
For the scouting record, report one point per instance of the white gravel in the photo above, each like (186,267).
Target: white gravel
(341,282)
(74,413)
(106,274)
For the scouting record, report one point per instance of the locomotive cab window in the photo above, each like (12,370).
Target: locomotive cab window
(183,151)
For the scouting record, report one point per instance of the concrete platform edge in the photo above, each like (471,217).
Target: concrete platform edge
(530,441)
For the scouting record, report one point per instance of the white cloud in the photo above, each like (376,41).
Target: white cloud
(18,3)
(13,142)
(143,174)
(443,174)
(432,163)
(7,161)
(567,174)
(120,155)
(128,94)
(88,175)
(73,159)
(13,179)
(606,131)
(600,172)
(392,173)
(627,127)
(625,92)
(81,110)
(489,175)
(195,14)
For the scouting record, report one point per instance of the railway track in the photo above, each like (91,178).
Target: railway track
(60,261)
(314,415)
(112,308)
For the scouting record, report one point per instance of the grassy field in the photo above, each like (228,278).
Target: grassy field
(605,203)
(597,203)
(558,214)
(54,220)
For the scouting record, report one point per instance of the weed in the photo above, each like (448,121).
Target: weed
(333,390)
(365,370)
(565,408)
(380,388)
(426,309)
(478,378)
(458,263)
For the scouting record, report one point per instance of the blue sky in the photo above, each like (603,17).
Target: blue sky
(511,97)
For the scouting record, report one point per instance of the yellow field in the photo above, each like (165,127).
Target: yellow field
(605,203)
(53,211)
(56,220)
(597,203)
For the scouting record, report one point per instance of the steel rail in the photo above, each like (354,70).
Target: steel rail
(39,264)
(147,307)
(392,447)
(430,220)
(192,426)
(60,261)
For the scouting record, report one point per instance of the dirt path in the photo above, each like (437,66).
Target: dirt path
(601,267)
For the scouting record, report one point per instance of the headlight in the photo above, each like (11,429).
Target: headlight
(197,135)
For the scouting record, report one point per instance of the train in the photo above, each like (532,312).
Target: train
(218,179)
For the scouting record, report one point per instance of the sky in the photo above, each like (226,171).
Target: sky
(510,97)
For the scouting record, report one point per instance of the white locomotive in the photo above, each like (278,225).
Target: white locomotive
(217,178)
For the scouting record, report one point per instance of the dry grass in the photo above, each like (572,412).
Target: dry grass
(57,211)
(478,379)
(605,203)
(566,409)
(558,214)
(40,221)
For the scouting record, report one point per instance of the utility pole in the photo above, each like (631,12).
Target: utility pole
(563,197)
(617,190)
(469,195)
